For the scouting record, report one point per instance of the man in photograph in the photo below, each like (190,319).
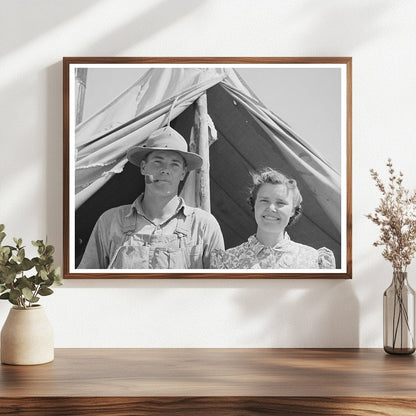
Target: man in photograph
(158,230)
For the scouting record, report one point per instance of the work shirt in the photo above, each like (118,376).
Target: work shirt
(286,254)
(123,238)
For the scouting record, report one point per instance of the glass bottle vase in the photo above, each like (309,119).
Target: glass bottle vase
(399,316)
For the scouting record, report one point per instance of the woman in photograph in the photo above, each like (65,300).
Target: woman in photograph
(276,202)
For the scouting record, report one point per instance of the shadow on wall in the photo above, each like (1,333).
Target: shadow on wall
(348,25)
(157,18)
(291,313)
(299,313)
(37,17)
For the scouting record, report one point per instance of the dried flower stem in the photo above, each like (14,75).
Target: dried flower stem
(396,216)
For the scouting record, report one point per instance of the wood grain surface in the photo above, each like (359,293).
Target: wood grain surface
(212,382)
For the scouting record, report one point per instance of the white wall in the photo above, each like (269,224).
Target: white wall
(380,35)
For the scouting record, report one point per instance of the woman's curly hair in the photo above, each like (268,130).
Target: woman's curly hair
(274,177)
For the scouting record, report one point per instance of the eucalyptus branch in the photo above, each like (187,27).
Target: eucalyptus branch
(15,286)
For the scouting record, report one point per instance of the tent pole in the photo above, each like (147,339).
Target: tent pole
(81,86)
(202,140)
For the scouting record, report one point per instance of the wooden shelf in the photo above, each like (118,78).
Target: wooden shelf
(212,382)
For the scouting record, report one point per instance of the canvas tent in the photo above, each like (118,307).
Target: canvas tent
(243,136)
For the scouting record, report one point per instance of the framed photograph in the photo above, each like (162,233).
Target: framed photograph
(207,168)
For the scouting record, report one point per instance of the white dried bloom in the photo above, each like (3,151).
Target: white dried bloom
(396,217)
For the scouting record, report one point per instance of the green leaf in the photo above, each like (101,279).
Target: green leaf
(55,275)
(15,285)
(27,293)
(58,277)
(49,250)
(21,255)
(14,302)
(5,253)
(48,282)
(8,277)
(7,297)
(15,294)
(14,268)
(26,264)
(5,250)
(11,248)
(18,242)
(46,260)
(45,291)
(37,280)
(43,275)
(3,259)
(24,282)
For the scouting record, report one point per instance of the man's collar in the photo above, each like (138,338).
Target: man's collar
(136,206)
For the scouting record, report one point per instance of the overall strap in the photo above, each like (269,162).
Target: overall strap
(183,226)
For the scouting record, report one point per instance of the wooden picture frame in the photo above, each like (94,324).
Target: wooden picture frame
(248,131)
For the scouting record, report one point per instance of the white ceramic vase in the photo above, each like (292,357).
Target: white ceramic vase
(27,337)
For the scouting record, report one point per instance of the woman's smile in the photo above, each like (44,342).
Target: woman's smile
(269,217)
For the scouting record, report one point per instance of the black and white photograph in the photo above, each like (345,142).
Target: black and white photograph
(208,169)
